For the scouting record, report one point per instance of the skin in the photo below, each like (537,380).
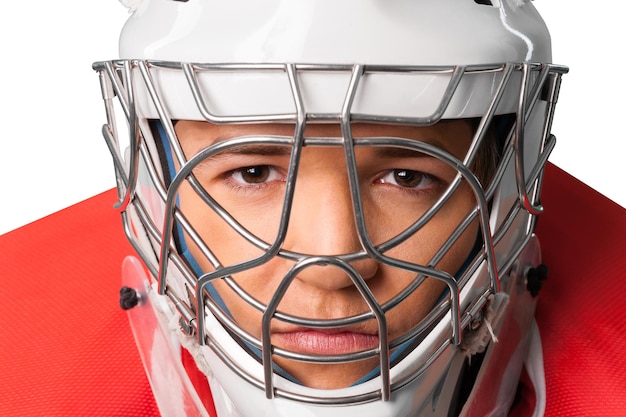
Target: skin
(396,189)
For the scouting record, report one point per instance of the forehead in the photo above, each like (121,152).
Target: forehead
(453,136)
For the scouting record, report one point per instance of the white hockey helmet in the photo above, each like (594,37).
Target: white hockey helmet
(391,62)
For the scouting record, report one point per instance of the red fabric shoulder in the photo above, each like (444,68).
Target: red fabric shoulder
(581,309)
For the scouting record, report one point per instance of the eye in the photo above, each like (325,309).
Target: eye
(406,178)
(258,174)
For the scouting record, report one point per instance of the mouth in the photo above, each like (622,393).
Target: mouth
(312,341)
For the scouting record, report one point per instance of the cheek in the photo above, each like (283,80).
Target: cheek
(421,249)
(230,248)
(221,238)
(446,225)
(424,246)
(246,316)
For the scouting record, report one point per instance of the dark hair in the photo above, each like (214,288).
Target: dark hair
(486,162)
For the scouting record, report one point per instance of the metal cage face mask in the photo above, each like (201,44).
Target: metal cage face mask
(399,193)
(152,202)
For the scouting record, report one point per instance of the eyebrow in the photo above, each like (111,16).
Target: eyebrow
(284,150)
(251,150)
(399,152)
(263,150)
(388,152)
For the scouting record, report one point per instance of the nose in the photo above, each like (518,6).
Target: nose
(322,223)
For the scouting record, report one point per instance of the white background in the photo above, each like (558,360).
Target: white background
(52,154)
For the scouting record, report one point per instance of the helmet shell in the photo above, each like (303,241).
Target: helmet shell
(443,35)
(383,32)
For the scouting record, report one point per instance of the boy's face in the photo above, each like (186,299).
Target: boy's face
(397,186)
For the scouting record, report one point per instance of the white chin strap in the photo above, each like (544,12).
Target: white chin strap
(534,367)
